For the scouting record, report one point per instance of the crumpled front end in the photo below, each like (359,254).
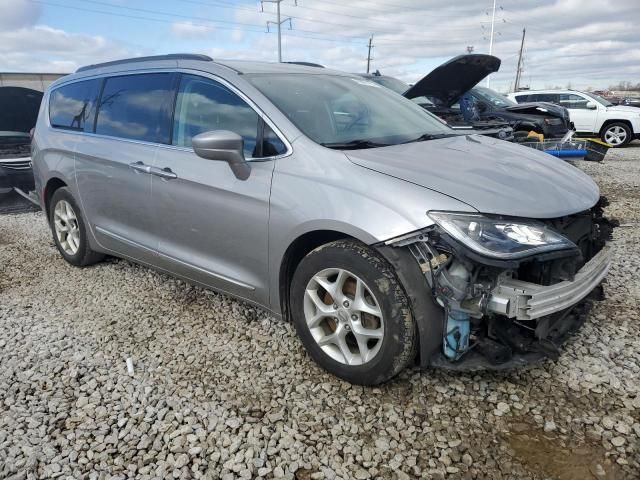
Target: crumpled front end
(506,305)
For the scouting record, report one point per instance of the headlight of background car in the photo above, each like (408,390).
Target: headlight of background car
(503,239)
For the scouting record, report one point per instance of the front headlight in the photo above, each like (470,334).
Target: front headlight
(503,239)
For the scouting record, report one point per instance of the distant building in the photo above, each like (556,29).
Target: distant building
(35,81)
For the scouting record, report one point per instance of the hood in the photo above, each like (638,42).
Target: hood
(492,176)
(449,81)
(624,109)
(18,109)
(539,108)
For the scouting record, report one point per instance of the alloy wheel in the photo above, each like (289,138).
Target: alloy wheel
(615,135)
(65,224)
(343,316)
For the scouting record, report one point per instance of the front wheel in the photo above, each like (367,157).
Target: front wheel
(617,134)
(351,313)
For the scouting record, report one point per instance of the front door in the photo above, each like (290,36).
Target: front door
(584,119)
(211,226)
(111,166)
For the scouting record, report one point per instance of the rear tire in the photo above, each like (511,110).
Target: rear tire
(360,327)
(617,134)
(69,230)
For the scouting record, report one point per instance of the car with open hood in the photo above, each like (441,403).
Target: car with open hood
(454,118)
(452,93)
(383,235)
(18,114)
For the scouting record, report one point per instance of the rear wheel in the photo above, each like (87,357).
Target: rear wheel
(69,230)
(351,313)
(617,134)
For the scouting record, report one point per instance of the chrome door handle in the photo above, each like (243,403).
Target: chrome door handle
(165,173)
(140,167)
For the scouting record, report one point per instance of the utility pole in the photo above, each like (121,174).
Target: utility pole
(278,23)
(493,22)
(470,48)
(369,54)
(516,86)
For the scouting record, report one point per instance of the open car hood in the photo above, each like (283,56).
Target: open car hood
(18,109)
(490,175)
(448,82)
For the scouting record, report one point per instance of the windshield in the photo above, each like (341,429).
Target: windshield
(335,110)
(391,83)
(599,99)
(491,96)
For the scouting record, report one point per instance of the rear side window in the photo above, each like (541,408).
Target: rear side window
(137,107)
(204,105)
(73,106)
(544,97)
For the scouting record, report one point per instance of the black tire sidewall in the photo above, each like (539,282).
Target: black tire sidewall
(398,344)
(79,258)
(618,124)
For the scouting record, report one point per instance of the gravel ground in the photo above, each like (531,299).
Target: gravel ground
(221,390)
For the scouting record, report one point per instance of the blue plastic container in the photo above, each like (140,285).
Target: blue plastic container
(456,338)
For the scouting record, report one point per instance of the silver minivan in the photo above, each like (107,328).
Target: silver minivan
(384,236)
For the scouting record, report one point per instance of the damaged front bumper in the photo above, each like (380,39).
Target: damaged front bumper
(499,314)
(528,301)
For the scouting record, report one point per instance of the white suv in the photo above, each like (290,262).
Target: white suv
(591,114)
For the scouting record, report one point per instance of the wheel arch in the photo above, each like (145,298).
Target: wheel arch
(611,121)
(53,184)
(295,252)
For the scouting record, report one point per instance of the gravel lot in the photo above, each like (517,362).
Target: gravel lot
(221,390)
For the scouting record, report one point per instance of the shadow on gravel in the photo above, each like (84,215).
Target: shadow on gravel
(13,203)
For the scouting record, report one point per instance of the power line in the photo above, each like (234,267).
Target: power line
(170,14)
(140,17)
(170,22)
(252,28)
(208,20)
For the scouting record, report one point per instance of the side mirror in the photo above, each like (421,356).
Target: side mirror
(591,106)
(225,146)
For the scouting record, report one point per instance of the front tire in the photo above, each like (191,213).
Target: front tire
(351,313)
(69,230)
(617,134)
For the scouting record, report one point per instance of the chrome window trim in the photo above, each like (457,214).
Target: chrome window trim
(198,73)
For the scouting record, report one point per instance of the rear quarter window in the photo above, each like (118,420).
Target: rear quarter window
(544,97)
(73,106)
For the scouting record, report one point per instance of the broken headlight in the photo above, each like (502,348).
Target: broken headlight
(500,238)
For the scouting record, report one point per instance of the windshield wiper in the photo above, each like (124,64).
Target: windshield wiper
(354,145)
(431,136)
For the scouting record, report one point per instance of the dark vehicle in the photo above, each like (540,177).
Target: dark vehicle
(18,114)
(452,88)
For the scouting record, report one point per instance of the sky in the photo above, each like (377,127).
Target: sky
(569,43)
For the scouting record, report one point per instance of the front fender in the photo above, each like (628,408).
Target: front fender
(321,190)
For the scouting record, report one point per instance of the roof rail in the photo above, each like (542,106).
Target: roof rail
(305,64)
(171,56)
